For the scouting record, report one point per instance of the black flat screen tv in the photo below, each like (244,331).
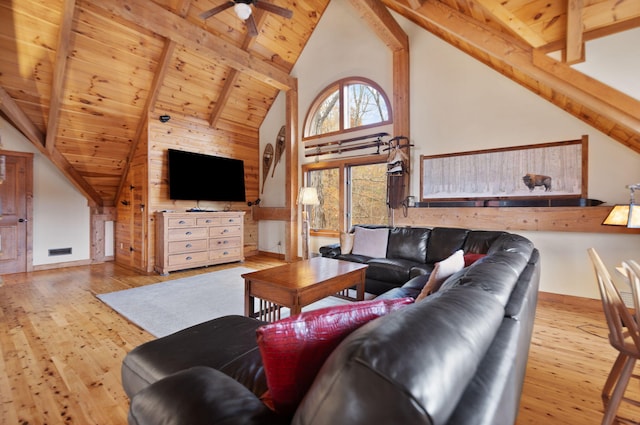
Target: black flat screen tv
(199,177)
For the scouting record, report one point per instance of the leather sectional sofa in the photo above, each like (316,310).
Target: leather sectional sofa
(411,252)
(457,357)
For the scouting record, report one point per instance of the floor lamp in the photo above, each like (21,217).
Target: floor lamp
(306,196)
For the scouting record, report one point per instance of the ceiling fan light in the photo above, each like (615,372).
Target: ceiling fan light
(242,10)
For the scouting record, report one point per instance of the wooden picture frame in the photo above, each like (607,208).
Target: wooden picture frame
(547,170)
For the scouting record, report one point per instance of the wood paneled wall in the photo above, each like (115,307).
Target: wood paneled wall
(135,235)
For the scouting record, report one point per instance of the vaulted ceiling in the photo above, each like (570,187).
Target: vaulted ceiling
(80,77)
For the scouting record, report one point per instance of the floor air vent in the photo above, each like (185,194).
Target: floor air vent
(59,251)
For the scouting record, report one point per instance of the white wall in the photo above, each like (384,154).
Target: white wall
(61,216)
(459,104)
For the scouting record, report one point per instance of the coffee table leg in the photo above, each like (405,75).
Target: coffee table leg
(360,286)
(248,299)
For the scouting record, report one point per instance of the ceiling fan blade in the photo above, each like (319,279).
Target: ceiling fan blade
(286,13)
(217,9)
(252,28)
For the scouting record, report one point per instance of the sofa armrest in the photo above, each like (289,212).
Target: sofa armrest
(199,396)
(330,251)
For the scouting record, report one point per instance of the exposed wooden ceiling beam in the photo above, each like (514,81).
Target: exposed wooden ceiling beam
(22,122)
(232,78)
(57,85)
(158,79)
(381,21)
(155,18)
(143,122)
(574,51)
(506,51)
(501,14)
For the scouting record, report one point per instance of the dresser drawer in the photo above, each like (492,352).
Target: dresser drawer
(231,220)
(181,222)
(188,233)
(230,253)
(225,231)
(222,243)
(190,259)
(188,246)
(209,221)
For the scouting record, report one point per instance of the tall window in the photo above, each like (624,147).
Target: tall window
(350,193)
(351,190)
(349,104)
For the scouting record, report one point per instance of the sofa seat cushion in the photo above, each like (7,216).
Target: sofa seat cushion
(227,344)
(371,377)
(420,270)
(363,259)
(392,270)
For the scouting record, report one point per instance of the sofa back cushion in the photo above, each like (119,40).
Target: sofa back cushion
(408,243)
(444,241)
(496,274)
(479,241)
(409,367)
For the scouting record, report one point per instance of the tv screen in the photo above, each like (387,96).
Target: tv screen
(199,177)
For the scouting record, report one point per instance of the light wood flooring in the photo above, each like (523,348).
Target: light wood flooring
(61,350)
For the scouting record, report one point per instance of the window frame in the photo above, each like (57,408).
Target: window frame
(340,86)
(342,165)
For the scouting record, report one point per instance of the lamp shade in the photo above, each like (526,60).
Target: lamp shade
(618,216)
(308,196)
(623,215)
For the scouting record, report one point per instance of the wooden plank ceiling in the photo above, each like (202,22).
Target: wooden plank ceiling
(79,77)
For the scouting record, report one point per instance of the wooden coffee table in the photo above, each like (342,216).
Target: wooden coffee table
(299,284)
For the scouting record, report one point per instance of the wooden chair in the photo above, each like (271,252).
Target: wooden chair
(624,336)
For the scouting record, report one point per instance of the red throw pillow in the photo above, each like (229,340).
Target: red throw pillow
(294,349)
(471,258)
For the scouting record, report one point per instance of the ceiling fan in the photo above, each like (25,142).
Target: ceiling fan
(243,10)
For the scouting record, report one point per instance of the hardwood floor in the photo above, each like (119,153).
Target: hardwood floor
(61,350)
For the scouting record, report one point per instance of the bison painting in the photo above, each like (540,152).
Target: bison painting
(533,180)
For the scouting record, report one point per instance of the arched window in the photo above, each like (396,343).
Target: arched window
(352,189)
(349,104)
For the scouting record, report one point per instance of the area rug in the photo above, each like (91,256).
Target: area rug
(164,308)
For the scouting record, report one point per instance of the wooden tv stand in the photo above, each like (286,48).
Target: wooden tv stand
(195,239)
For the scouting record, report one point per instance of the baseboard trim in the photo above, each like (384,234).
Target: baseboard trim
(569,300)
(53,266)
(272,255)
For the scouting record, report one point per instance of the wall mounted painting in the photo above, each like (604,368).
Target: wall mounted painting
(557,169)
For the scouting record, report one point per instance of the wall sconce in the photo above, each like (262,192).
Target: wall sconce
(625,215)
(306,196)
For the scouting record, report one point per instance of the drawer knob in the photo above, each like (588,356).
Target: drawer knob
(187,233)
(189,258)
(181,222)
(209,221)
(225,253)
(188,245)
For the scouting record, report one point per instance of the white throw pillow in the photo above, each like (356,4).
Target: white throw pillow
(346,243)
(441,271)
(370,242)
